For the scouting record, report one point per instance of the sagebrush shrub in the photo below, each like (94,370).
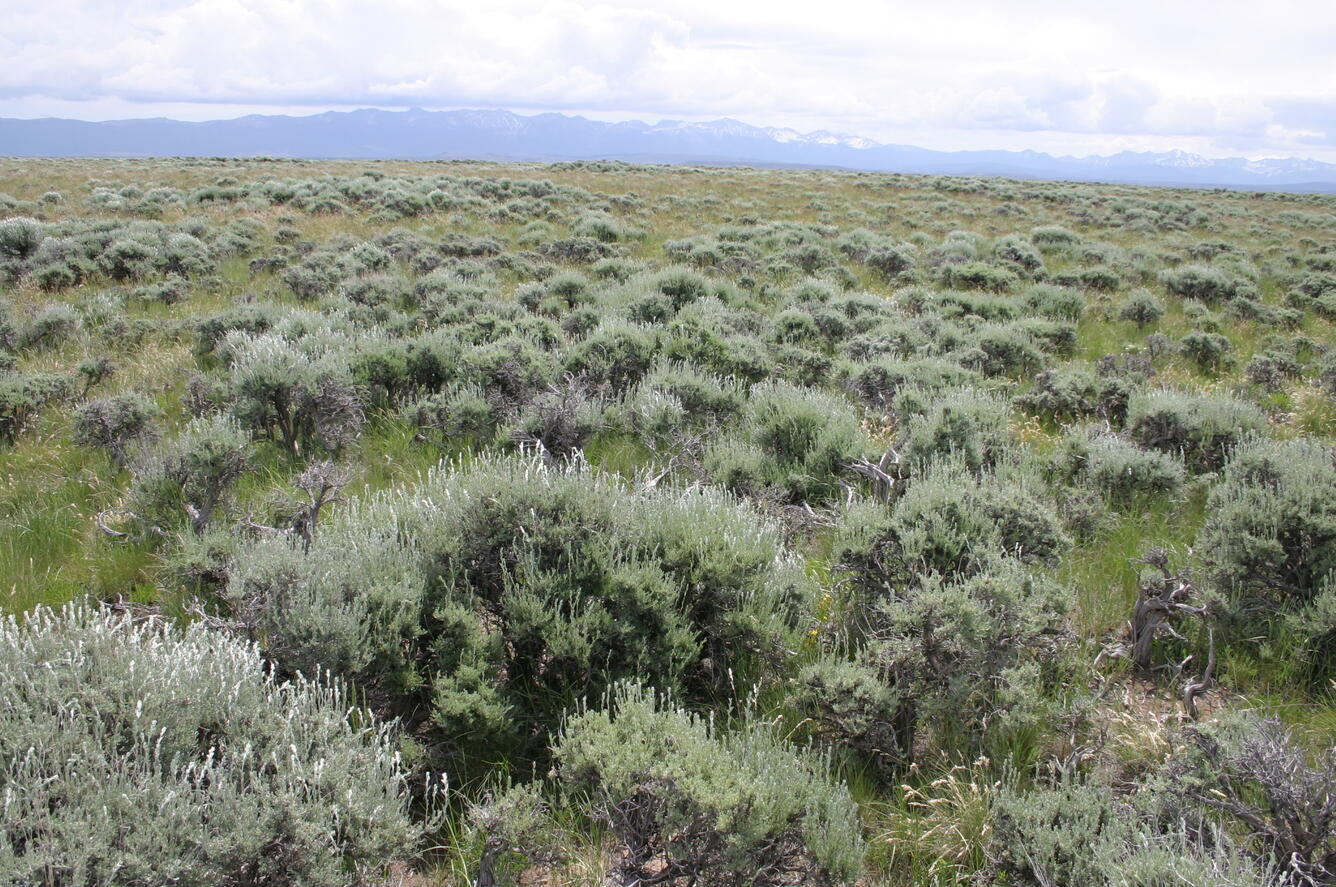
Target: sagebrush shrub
(809,439)
(1002,350)
(493,596)
(1071,394)
(134,752)
(50,326)
(116,424)
(1141,308)
(1209,351)
(948,523)
(1208,283)
(1270,530)
(968,425)
(304,397)
(191,475)
(1203,429)
(1078,833)
(1118,468)
(877,382)
(1053,238)
(19,238)
(1257,776)
(614,356)
(22,395)
(685,800)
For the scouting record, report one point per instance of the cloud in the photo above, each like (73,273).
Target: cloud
(883,69)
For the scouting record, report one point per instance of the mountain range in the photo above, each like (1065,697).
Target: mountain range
(502,135)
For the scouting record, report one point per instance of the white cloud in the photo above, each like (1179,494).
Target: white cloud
(975,72)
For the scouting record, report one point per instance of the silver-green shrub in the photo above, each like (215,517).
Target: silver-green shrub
(1269,540)
(1202,428)
(133,752)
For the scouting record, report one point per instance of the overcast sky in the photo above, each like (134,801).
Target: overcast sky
(1212,76)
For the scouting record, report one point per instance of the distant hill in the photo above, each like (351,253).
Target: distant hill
(498,135)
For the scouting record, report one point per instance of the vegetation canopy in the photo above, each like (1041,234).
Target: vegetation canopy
(461,523)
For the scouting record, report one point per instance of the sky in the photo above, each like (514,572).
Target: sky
(1215,77)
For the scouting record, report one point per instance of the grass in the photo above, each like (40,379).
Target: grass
(1101,571)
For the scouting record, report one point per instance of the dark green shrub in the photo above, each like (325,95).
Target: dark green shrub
(380,369)
(1203,429)
(433,360)
(801,366)
(116,424)
(373,290)
(53,278)
(727,809)
(954,304)
(139,753)
(490,598)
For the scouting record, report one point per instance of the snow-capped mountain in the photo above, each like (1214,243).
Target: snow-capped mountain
(496,134)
